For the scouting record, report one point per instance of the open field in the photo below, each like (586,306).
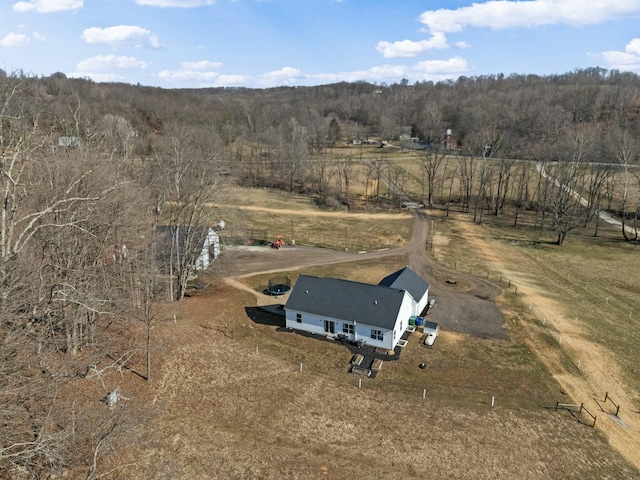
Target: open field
(233,402)
(575,307)
(260,215)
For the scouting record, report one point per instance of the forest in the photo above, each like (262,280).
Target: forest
(90,170)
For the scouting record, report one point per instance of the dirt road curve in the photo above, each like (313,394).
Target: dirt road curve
(464,303)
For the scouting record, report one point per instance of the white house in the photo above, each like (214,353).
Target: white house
(407,279)
(376,315)
(209,249)
(205,245)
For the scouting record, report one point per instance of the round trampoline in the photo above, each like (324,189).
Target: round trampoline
(279,286)
(279,289)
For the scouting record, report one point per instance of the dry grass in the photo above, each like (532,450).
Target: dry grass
(233,402)
(575,308)
(261,215)
(230,411)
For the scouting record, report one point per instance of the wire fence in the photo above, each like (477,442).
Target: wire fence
(335,240)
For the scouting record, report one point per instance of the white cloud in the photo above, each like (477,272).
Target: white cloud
(409,48)
(284,76)
(47,6)
(188,75)
(232,80)
(428,70)
(200,74)
(201,65)
(120,34)
(39,37)
(14,40)
(175,3)
(501,14)
(629,60)
(455,66)
(101,63)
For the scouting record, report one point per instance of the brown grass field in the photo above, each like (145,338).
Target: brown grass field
(229,399)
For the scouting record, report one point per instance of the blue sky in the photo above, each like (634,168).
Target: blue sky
(265,43)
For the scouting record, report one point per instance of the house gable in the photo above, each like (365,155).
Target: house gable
(407,279)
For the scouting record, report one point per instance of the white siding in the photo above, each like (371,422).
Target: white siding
(315,324)
(211,244)
(402,321)
(421,303)
(311,323)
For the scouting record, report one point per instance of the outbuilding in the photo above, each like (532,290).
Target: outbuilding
(202,245)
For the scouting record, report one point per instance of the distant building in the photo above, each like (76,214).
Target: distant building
(68,142)
(205,245)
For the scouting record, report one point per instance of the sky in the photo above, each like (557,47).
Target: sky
(268,43)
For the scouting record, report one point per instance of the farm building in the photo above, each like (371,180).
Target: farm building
(204,245)
(68,142)
(375,315)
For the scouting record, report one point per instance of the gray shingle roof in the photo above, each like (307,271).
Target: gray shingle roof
(406,279)
(373,305)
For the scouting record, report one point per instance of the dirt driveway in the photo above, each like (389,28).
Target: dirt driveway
(464,303)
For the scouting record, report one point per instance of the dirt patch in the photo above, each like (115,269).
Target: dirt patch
(316,213)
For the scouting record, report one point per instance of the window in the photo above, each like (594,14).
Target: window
(348,329)
(329,326)
(298,318)
(376,334)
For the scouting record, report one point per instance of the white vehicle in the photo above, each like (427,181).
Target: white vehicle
(431,329)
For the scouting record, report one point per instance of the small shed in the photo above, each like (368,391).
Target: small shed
(431,329)
(202,244)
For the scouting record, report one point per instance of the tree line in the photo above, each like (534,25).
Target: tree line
(89,171)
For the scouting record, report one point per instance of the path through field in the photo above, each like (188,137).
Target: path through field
(597,373)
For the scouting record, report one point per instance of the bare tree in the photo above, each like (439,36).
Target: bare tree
(521,183)
(626,156)
(191,163)
(431,161)
(55,287)
(568,183)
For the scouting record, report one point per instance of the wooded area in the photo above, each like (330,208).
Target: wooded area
(89,171)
